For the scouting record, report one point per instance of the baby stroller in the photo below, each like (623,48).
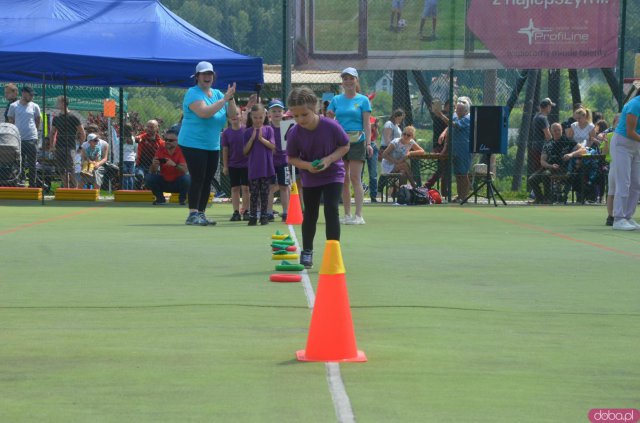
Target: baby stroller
(10,158)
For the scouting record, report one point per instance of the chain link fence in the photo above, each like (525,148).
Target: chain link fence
(409,56)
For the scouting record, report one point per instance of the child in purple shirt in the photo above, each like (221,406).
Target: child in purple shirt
(315,145)
(281,180)
(235,166)
(258,146)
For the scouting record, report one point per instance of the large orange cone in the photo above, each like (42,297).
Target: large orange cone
(331,336)
(294,214)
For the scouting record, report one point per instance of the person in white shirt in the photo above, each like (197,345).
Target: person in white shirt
(25,114)
(129,150)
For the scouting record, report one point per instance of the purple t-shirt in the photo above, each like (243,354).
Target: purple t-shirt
(279,156)
(260,157)
(234,140)
(313,145)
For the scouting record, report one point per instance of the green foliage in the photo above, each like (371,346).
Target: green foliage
(600,97)
(159,108)
(381,105)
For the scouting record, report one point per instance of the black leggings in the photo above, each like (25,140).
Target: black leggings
(331,194)
(202,166)
(259,189)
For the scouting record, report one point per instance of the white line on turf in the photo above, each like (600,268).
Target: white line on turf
(341,401)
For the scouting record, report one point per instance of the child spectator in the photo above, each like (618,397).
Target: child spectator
(316,145)
(605,147)
(281,179)
(129,149)
(258,146)
(234,165)
(91,156)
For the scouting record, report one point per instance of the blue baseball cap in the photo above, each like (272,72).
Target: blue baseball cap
(275,103)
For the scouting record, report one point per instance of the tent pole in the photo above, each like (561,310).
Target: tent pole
(121,128)
(44,127)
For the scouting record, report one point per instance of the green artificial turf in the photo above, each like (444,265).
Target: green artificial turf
(117,312)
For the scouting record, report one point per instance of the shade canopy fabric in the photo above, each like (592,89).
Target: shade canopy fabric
(112,43)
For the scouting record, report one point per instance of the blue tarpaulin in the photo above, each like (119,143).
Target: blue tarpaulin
(112,43)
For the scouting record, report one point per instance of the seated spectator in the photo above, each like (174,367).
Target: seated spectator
(554,160)
(172,167)
(394,158)
(94,155)
(148,142)
(582,130)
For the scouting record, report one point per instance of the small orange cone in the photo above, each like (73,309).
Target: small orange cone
(331,336)
(294,214)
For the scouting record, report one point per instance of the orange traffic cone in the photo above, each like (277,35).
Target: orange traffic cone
(294,214)
(331,336)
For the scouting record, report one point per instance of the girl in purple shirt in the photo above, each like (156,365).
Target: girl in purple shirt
(234,165)
(258,146)
(315,145)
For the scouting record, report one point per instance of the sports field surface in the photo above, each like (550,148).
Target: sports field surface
(121,313)
(336,26)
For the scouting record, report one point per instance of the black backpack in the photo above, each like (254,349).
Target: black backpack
(404,195)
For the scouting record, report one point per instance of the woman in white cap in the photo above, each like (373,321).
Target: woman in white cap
(205,111)
(353,110)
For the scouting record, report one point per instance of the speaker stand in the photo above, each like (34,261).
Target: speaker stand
(492,191)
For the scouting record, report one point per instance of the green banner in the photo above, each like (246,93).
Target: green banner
(80,97)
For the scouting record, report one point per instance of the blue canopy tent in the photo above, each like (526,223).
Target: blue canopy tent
(112,43)
(125,43)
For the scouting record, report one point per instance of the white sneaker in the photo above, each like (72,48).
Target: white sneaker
(346,218)
(634,223)
(357,220)
(623,225)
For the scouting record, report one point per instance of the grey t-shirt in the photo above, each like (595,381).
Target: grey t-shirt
(25,119)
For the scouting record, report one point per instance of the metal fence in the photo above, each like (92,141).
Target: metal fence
(410,58)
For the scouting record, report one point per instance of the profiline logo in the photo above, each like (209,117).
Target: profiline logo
(535,34)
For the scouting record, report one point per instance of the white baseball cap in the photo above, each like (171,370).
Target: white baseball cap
(349,71)
(203,67)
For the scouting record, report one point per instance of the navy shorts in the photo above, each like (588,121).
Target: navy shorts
(238,176)
(282,176)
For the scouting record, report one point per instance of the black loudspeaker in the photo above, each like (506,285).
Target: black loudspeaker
(489,125)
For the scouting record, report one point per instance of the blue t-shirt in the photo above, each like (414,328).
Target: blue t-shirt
(632,107)
(197,132)
(349,111)
(461,135)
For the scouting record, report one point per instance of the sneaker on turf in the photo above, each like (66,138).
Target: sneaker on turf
(160,202)
(344,219)
(306,259)
(609,221)
(356,220)
(271,216)
(632,222)
(246,215)
(195,219)
(284,217)
(235,217)
(253,221)
(264,220)
(623,225)
(206,219)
